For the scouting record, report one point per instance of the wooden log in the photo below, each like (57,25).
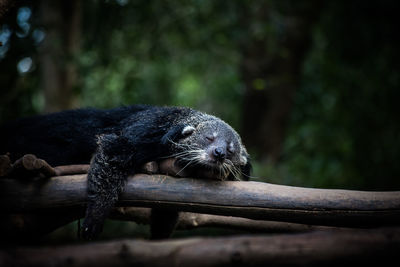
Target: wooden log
(377,247)
(190,220)
(71,169)
(28,227)
(252,200)
(30,166)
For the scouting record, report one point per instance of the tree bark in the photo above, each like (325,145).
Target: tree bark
(251,200)
(29,227)
(190,220)
(328,248)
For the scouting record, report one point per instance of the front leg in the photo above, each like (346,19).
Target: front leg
(108,171)
(115,159)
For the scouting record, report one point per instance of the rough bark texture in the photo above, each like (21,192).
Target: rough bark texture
(28,228)
(252,200)
(190,220)
(29,166)
(327,248)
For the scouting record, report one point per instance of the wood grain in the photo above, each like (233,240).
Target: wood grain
(252,200)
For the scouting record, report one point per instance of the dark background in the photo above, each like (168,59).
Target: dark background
(311,86)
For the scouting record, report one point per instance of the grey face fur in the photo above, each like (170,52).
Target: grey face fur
(210,148)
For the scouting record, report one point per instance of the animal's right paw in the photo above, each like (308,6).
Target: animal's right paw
(91,229)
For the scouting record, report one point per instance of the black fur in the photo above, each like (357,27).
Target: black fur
(116,142)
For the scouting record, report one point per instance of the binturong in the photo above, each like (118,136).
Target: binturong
(118,142)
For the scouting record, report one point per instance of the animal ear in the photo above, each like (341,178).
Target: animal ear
(174,134)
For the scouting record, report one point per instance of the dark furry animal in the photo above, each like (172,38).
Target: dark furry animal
(119,141)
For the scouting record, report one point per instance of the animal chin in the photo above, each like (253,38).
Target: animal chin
(209,169)
(213,164)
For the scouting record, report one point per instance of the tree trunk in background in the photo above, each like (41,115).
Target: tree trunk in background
(271,69)
(62,23)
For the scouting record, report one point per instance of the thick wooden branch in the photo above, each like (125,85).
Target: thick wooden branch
(21,228)
(30,166)
(190,220)
(71,169)
(252,200)
(377,247)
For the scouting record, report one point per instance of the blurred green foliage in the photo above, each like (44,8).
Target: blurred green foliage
(344,130)
(175,53)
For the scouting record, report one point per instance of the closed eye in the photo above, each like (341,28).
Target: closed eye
(210,138)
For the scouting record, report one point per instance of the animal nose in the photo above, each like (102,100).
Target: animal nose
(219,153)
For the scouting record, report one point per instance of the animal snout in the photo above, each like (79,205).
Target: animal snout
(219,154)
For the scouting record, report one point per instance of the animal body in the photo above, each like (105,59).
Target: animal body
(118,142)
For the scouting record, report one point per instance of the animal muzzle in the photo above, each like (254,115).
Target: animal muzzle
(219,154)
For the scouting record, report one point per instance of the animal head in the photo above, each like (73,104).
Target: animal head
(211,149)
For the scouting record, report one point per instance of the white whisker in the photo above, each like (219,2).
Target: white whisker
(184,167)
(191,155)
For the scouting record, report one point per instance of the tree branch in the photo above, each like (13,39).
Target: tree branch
(321,248)
(254,200)
(189,220)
